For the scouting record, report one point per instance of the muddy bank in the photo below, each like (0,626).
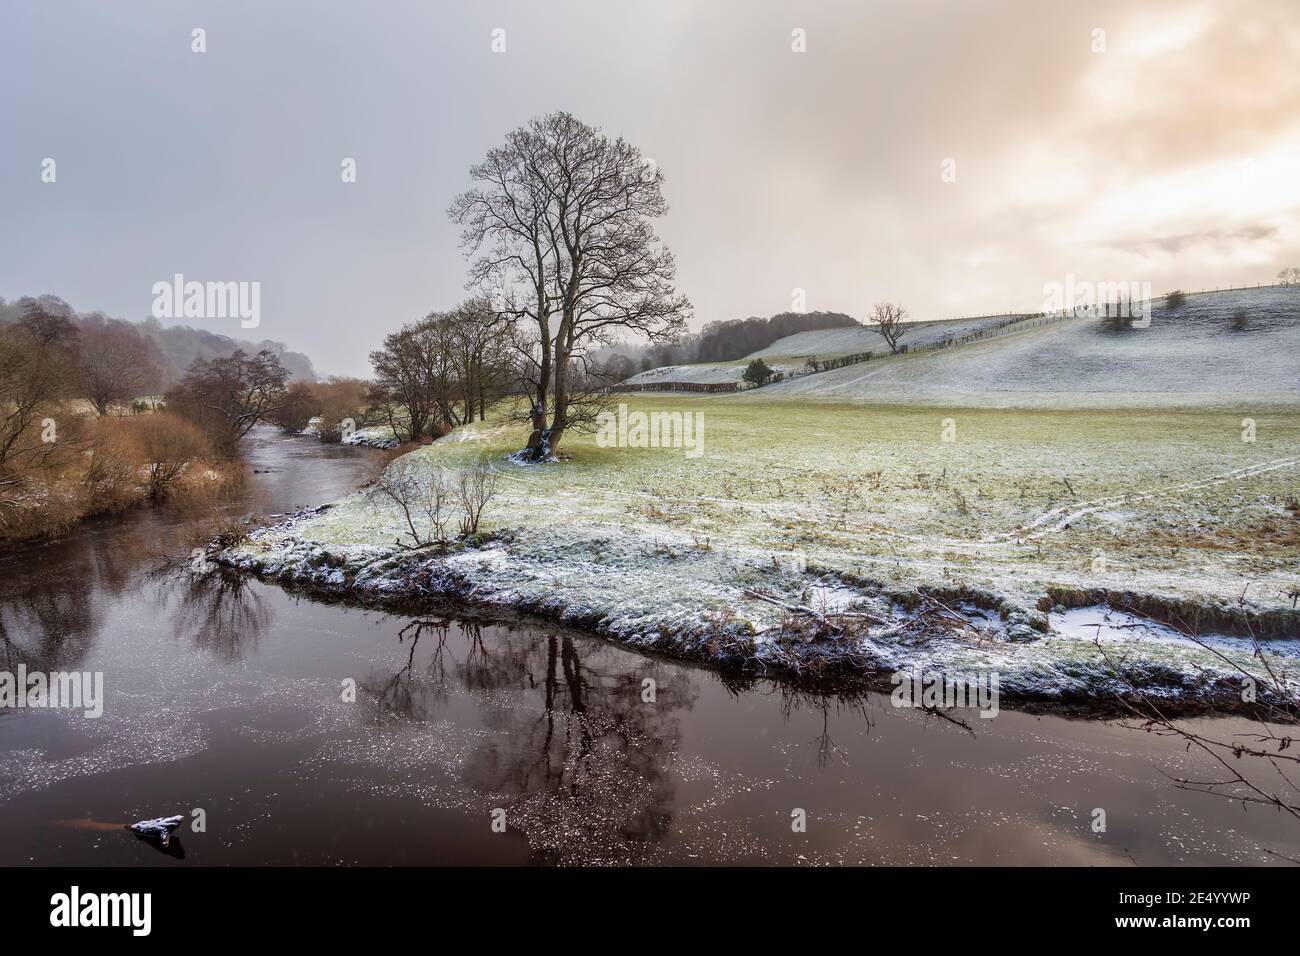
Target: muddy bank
(808,625)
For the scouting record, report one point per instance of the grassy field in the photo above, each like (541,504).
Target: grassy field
(877,490)
(855,507)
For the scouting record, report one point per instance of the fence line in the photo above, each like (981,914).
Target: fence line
(1011,324)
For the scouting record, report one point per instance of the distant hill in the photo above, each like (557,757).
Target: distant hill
(174,346)
(1193,354)
(735,338)
(859,338)
(790,354)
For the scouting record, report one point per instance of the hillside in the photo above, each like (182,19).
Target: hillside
(172,347)
(1189,355)
(833,342)
(790,354)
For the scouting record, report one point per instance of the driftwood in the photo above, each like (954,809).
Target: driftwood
(823,619)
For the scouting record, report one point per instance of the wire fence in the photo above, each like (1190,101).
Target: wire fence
(1011,324)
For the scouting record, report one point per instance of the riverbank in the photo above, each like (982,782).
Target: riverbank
(856,543)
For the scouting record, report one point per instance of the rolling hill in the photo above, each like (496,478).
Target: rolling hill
(1193,354)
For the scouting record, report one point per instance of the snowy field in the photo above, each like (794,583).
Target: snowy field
(827,343)
(709,373)
(790,355)
(1191,355)
(868,508)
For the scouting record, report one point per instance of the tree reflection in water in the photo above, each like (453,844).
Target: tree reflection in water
(220,612)
(581,762)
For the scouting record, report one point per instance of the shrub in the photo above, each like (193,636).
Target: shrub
(168,444)
(757,373)
(298,407)
(113,467)
(1176,299)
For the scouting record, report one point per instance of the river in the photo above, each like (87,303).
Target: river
(226,696)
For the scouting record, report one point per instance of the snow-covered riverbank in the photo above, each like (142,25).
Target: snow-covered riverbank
(777,568)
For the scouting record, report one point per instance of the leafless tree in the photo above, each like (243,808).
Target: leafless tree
(226,397)
(417,381)
(559,234)
(298,408)
(37,372)
(113,364)
(484,355)
(889,319)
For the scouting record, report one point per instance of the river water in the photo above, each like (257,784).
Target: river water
(226,696)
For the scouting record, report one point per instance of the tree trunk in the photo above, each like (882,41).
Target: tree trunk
(560,416)
(538,446)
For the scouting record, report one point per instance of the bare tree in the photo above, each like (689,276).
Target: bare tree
(168,444)
(37,371)
(889,318)
(483,353)
(226,397)
(416,379)
(559,233)
(114,365)
(298,408)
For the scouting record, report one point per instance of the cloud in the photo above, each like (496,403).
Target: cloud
(1170,157)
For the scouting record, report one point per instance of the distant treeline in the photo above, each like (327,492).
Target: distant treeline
(736,338)
(721,341)
(170,349)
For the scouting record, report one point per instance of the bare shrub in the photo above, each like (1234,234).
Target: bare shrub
(475,489)
(339,399)
(113,469)
(1176,299)
(299,406)
(168,444)
(423,495)
(431,499)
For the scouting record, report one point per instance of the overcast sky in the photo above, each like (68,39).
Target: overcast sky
(1172,157)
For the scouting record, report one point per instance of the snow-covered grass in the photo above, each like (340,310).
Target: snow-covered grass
(1190,355)
(828,343)
(709,373)
(863,506)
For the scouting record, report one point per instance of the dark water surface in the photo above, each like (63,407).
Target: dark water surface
(226,695)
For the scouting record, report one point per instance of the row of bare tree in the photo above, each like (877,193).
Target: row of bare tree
(441,372)
(59,460)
